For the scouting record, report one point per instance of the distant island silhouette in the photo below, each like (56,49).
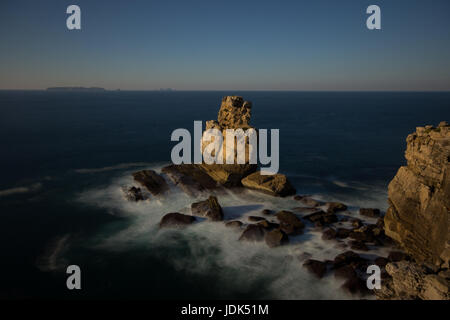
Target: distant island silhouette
(77,89)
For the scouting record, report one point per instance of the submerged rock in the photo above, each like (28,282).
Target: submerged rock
(176,220)
(208,208)
(310,202)
(322,218)
(276,184)
(152,181)
(418,217)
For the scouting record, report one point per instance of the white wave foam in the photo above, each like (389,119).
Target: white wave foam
(18,190)
(210,246)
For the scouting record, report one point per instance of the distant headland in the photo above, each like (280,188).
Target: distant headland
(77,89)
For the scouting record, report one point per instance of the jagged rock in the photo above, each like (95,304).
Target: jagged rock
(289,222)
(276,184)
(418,217)
(208,208)
(318,268)
(253,233)
(333,207)
(190,178)
(276,238)
(411,281)
(369,212)
(233,224)
(152,181)
(176,220)
(234,113)
(133,194)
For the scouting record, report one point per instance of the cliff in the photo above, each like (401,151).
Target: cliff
(419,197)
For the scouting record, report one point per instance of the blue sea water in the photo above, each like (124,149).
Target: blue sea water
(65,154)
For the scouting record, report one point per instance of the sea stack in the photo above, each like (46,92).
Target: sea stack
(234,113)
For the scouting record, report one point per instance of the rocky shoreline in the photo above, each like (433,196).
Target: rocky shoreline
(415,227)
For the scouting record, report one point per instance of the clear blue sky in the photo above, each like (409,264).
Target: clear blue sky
(238,45)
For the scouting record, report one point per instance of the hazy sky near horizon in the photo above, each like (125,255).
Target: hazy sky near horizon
(223,45)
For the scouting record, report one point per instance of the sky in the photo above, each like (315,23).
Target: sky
(226,45)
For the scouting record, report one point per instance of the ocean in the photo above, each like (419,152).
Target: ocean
(66,155)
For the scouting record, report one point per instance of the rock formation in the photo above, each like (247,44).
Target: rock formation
(419,197)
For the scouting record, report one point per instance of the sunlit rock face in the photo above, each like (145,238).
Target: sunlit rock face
(419,197)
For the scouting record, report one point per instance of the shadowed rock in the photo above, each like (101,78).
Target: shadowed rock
(208,208)
(369,212)
(190,178)
(176,220)
(152,181)
(289,222)
(276,238)
(318,268)
(133,194)
(333,207)
(253,233)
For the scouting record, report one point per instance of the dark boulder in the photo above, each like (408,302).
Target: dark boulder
(369,212)
(289,222)
(190,178)
(342,233)
(152,181)
(318,268)
(329,234)
(233,224)
(133,194)
(253,233)
(346,272)
(208,208)
(176,220)
(276,238)
(255,218)
(333,207)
